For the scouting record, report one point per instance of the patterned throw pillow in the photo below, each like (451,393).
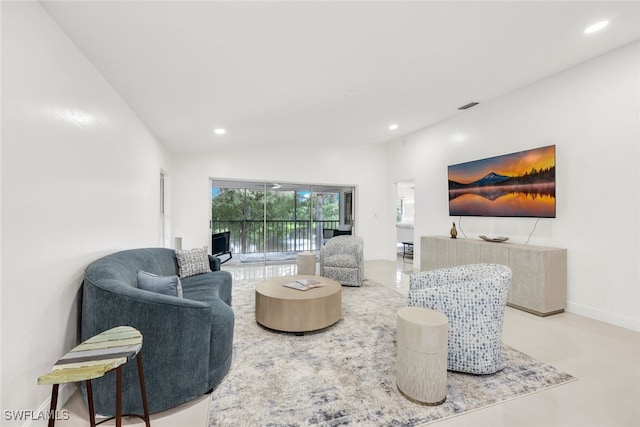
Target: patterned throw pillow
(190,263)
(168,285)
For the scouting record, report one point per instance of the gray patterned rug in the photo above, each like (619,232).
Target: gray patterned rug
(345,374)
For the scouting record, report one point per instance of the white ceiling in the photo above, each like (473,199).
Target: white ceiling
(326,73)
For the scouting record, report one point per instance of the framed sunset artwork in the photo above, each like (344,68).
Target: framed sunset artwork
(521,184)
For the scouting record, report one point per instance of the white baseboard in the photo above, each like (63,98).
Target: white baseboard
(604,316)
(65,391)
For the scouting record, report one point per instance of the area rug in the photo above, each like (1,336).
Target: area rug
(345,374)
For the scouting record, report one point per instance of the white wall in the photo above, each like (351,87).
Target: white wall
(592,114)
(80,179)
(363,167)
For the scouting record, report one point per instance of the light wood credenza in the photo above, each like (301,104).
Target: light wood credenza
(539,280)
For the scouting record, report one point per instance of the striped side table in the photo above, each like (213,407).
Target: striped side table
(92,359)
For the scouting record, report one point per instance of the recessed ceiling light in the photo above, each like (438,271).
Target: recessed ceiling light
(219,131)
(393,127)
(596,27)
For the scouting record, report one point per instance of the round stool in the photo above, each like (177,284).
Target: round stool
(306,264)
(421,374)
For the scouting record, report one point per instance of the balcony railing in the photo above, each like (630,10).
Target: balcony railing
(248,236)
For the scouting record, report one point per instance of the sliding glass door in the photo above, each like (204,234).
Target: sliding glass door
(272,222)
(287,220)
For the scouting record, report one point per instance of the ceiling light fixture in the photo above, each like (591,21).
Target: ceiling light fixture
(393,127)
(219,131)
(596,27)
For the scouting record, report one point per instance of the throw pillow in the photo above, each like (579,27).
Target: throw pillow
(190,263)
(168,285)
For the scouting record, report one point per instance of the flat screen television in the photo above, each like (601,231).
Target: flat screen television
(521,184)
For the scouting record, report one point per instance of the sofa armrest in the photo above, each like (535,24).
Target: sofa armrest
(214,263)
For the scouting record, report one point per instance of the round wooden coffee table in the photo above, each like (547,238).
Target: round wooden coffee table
(291,310)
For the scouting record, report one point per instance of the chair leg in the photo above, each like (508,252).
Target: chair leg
(54,404)
(143,391)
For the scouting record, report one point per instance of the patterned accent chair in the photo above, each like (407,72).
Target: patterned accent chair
(473,297)
(341,260)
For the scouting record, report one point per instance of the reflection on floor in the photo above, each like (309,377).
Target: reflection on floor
(604,359)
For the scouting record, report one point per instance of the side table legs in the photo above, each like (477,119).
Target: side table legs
(143,395)
(118,417)
(92,412)
(54,405)
(143,391)
(119,396)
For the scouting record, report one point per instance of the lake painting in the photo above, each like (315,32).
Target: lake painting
(521,184)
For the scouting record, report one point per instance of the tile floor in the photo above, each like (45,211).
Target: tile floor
(604,358)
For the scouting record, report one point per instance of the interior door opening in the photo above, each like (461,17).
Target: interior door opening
(405,200)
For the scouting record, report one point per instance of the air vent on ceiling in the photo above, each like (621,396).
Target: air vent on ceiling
(469,105)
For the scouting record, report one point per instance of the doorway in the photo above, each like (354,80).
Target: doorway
(405,200)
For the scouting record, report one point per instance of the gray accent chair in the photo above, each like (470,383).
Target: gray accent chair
(187,342)
(473,297)
(341,259)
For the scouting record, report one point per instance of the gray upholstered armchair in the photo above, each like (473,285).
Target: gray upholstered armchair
(341,260)
(473,297)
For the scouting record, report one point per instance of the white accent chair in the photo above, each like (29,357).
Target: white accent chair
(473,297)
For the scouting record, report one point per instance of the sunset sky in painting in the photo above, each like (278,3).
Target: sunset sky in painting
(513,164)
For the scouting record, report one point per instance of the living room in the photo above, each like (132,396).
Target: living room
(80,180)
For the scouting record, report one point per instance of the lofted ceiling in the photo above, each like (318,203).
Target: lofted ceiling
(326,73)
